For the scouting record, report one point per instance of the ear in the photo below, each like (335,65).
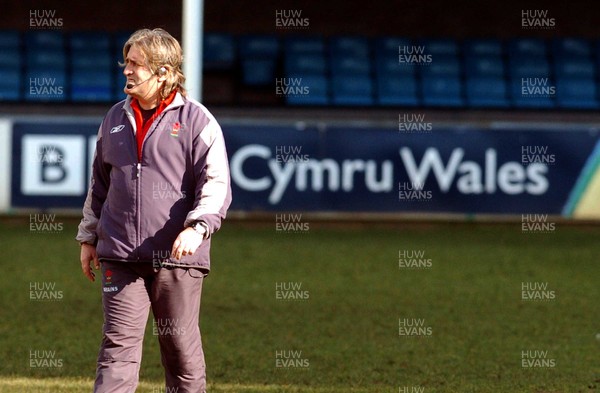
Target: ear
(163,73)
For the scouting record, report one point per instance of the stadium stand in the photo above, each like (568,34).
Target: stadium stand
(518,73)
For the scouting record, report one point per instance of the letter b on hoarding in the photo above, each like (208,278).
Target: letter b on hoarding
(53,165)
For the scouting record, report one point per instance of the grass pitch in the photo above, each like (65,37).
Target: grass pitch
(333,309)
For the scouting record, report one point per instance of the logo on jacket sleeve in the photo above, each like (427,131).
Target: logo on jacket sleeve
(116,129)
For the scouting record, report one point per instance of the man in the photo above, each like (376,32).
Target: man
(159,190)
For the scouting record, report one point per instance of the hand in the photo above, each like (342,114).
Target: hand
(88,255)
(186,243)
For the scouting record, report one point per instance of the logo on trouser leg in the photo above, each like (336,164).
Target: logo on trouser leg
(108,285)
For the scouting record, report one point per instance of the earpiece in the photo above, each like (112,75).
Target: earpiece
(162,71)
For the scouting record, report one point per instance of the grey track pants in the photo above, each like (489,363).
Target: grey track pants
(128,292)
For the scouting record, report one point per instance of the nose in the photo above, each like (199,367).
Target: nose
(127,70)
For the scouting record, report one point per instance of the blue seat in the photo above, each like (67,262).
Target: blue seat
(397,90)
(11,57)
(46,85)
(258,72)
(483,47)
(264,46)
(527,47)
(575,67)
(119,81)
(37,39)
(352,90)
(10,39)
(484,65)
(442,65)
(317,91)
(89,41)
(345,64)
(576,93)
(98,59)
(259,55)
(571,48)
(10,84)
(51,58)
(218,52)
(440,47)
(304,63)
(442,91)
(529,66)
(390,47)
(349,46)
(537,95)
(91,86)
(391,66)
(118,41)
(487,92)
(304,44)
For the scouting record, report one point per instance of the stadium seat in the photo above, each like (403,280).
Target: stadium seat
(218,52)
(304,44)
(347,64)
(440,47)
(10,39)
(487,92)
(396,90)
(576,93)
(483,47)
(91,86)
(48,58)
(11,57)
(527,47)
(442,65)
(352,90)
(317,94)
(484,66)
(442,91)
(529,67)
(353,46)
(10,84)
(46,85)
(38,39)
(304,63)
(385,65)
(118,84)
(574,67)
(89,41)
(259,55)
(571,48)
(95,59)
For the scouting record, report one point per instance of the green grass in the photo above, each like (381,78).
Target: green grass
(347,329)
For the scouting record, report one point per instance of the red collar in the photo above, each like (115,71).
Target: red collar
(143,127)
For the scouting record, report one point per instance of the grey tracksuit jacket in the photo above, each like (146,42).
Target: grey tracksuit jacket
(134,209)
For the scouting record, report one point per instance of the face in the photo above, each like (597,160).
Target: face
(141,82)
